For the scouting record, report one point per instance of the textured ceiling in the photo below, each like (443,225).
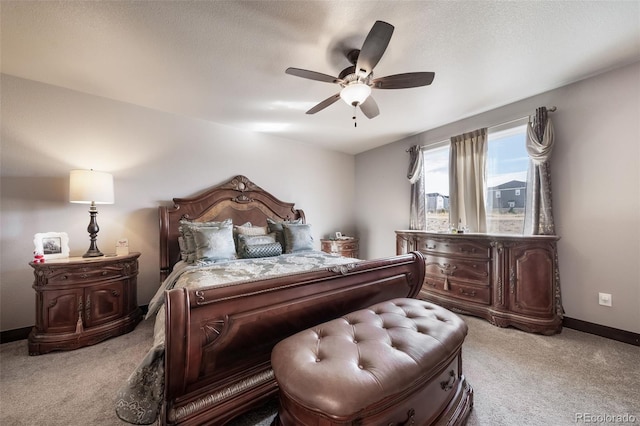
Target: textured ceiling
(224,61)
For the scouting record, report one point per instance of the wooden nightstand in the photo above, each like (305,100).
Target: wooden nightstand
(83,301)
(346,247)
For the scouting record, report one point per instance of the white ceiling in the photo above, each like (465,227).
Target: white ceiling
(224,61)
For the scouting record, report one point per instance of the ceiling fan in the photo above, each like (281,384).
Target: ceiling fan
(357,80)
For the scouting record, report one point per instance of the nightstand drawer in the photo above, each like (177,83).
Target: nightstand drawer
(347,248)
(84,275)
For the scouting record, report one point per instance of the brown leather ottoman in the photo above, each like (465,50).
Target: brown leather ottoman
(397,362)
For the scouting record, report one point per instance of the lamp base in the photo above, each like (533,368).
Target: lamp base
(93,233)
(93,253)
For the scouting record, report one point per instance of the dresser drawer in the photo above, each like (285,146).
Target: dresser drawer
(457,290)
(428,245)
(472,270)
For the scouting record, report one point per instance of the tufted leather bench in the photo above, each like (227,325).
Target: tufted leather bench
(397,362)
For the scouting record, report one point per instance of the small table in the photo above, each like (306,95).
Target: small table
(347,247)
(83,301)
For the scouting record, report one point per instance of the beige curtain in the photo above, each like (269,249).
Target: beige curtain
(539,215)
(467,175)
(417,209)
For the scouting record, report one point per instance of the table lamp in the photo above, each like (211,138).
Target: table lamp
(91,187)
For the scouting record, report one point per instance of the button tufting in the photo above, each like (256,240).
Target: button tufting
(360,367)
(317,359)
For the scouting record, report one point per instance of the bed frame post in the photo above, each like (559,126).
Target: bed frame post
(176,344)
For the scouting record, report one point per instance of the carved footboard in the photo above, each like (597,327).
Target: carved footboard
(219,340)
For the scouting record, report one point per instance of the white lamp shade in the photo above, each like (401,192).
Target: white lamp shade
(355,93)
(87,186)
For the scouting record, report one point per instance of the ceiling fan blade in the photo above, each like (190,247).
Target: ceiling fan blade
(370,108)
(403,81)
(312,75)
(373,47)
(322,105)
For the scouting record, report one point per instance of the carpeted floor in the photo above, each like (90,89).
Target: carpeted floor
(518,379)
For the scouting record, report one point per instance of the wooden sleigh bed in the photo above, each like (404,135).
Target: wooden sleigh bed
(218,340)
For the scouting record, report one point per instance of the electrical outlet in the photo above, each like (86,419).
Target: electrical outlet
(604,299)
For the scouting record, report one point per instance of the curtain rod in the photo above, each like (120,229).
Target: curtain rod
(550,109)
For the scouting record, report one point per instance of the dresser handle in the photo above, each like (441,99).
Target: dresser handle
(433,247)
(115,293)
(471,250)
(448,385)
(472,293)
(411,419)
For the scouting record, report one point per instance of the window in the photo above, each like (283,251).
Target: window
(507,163)
(436,184)
(506,186)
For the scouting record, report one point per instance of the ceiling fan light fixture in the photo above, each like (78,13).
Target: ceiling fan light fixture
(355,93)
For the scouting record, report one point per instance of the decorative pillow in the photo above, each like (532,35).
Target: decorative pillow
(261,250)
(297,237)
(277,228)
(249,229)
(252,240)
(214,243)
(188,244)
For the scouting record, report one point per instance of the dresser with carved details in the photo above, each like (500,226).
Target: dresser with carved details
(83,301)
(510,280)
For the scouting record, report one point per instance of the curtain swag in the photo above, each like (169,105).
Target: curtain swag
(418,205)
(415,164)
(540,140)
(539,150)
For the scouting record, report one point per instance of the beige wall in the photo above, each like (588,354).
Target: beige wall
(154,156)
(596,184)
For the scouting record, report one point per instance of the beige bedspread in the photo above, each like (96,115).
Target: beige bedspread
(139,400)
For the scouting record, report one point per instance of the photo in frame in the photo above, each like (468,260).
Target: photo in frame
(53,245)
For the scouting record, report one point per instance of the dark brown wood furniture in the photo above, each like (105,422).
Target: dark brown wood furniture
(218,340)
(346,248)
(509,280)
(354,370)
(83,301)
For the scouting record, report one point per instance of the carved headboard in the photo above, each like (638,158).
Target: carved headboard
(239,199)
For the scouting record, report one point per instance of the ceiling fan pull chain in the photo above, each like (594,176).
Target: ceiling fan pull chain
(355,123)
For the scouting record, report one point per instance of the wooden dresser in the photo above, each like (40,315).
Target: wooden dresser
(82,301)
(509,280)
(346,247)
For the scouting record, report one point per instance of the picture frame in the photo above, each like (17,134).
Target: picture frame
(338,235)
(53,245)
